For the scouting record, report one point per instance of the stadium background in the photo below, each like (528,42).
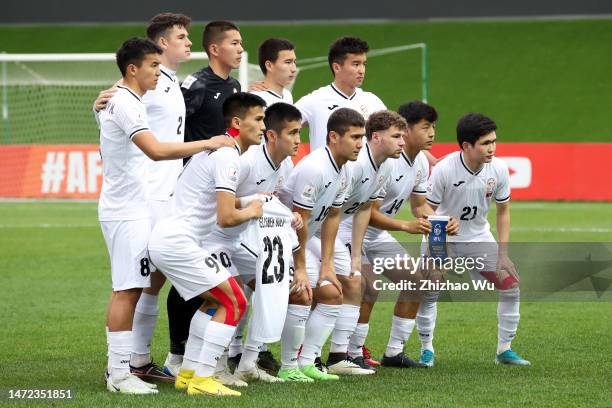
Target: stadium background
(543,80)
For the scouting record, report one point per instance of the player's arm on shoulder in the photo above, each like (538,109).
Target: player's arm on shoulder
(257,86)
(156,150)
(104,96)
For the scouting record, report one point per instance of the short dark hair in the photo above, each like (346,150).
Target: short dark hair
(472,127)
(383,120)
(161,23)
(238,104)
(134,51)
(214,32)
(416,111)
(343,46)
(269,49)
(278,114)
(342,119)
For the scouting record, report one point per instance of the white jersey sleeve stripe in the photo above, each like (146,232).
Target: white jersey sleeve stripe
(503,200)
(138,131)
(221,188)
(304,206)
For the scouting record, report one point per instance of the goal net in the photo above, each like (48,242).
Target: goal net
(47,98)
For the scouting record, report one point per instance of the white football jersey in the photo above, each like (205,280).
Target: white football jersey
(366,183)
(166,112)
(124,165)
(273,240)
(194,199)
(272,97)
(317,106)
(406,178)
(465,195)
(316,184)
(258,174)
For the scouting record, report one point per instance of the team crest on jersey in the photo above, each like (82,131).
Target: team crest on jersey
(235,90)
(364,110)
(490,187)
(232,174)
(381,181)
(188,81)
(419,174)
(308,192)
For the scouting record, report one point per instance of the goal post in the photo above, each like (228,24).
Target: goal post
(47,98)
(318,62)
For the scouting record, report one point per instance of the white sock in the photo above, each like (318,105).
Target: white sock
(193,347)
(345,326)
(145,319)
(119,345)
(222,361)
(358,340)
(216,339)
(252,348)
(508,317)
(264,347)
(401,329)
(174,358)
(426,319)
(318,328)
(235,346)
(293,334)
(249,355)
(108,364)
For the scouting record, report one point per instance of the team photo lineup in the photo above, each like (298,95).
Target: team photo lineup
(201,194)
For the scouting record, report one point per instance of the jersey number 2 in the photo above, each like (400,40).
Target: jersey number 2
(178,129)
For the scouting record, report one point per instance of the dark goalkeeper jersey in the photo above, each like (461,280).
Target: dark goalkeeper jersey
(204,94)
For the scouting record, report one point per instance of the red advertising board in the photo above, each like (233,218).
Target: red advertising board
(538,171)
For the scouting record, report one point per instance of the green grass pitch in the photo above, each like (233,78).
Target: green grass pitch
(541,81)
(56,282)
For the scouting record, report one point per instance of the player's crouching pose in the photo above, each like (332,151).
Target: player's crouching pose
(408,182)
(125,143)
(462,185)
(316,189)
(369,173)
(177,245)
(263,169)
